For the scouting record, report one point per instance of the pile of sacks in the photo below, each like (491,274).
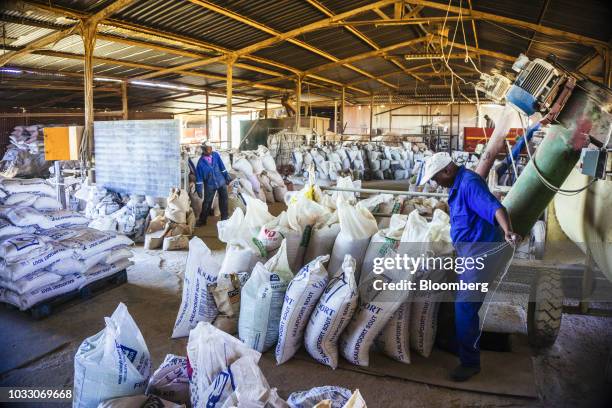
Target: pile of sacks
(257,175)
(170,228)
(363,161)
(113,212)
(46,252)
(25,155)
(297,279)
(218,371)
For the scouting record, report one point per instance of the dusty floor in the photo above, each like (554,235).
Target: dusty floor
(571,374)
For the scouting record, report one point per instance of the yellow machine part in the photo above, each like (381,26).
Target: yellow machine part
(585,218)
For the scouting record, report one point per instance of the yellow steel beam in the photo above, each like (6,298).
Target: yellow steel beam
(245,20)
(285,36)
(148,67)
(156,35)
(58,35)
(473,31)
(370,54)
(481,15)
(355,32)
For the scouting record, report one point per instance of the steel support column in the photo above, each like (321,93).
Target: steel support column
(342,106)
(229,84)
(207,117)
(124,100)
(89,43)
(298,103)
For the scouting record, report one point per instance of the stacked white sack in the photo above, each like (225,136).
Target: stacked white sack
(24,156)
(46,253)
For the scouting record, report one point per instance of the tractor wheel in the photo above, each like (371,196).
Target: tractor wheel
(545,308)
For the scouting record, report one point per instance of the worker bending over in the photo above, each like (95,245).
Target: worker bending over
(479,227)
(212,175)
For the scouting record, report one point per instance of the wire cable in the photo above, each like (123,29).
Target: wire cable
(543,179)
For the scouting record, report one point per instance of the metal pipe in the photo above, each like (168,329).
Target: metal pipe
(583,114)
(379,191)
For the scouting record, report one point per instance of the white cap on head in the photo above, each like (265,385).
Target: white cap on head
(433,165)
(205,144)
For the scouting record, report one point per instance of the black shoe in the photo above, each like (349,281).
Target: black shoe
(200,223)
(463,373)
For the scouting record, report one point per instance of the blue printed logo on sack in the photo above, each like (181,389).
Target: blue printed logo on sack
(274,278)
(21,243)
(130,353)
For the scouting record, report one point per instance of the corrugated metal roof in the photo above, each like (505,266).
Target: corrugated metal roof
(189,20)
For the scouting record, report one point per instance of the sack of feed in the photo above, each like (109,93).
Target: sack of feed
(301,297)
(227,299)
(376,306)
(262,301)
(139,401)
(331,315)
(337,396)
(211,351)
(112,363)
(321,241)
(394,339)
(53,253)
(424,322)
(170,381)
(197,304)
(357,225)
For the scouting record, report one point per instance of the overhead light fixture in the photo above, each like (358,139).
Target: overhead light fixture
(101,79)
(10,71)
(158,85)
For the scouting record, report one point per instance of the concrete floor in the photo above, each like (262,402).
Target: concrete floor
(570,374)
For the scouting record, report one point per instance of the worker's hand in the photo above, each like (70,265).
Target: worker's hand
(512,238)
(199,194)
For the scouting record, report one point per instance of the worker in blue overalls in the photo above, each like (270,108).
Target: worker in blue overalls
(480,228)
(212,176)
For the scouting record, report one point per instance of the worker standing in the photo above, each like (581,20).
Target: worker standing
(479,227)
(214,178)
(489,123)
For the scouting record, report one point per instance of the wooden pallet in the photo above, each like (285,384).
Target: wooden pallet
(49,306)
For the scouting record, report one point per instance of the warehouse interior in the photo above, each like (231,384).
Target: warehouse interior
(200,201)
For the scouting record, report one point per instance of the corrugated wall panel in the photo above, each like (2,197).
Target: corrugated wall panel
(138,157)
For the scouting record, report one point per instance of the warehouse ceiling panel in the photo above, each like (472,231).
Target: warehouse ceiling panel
(335,41)
(379,65)
(292,55)
(173,41)
(586,18)
(341,74)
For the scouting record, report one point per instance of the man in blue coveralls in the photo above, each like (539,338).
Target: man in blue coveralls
(213,177)
(479,226)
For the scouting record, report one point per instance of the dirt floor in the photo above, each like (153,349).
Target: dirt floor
(570,374)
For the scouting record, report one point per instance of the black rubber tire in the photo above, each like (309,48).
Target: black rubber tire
(545,309)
